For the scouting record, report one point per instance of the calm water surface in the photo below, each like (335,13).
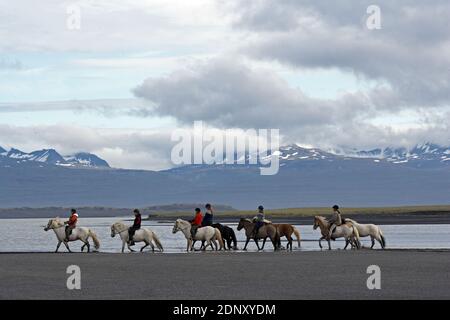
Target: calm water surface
(28,235)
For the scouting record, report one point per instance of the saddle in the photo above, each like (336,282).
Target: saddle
(70,230)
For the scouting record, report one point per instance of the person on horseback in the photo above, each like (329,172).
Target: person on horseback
(196,222)
(258,220)
(136,226)
(208,218)
(71,223)
(335,220)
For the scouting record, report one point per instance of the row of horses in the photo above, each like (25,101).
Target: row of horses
(219,236)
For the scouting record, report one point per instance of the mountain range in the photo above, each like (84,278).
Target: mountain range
(307,177)
(50,157)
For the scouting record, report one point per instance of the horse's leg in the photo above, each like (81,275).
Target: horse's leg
(67,246)
(208,243)
(346,244)
(246,243)
(289,239)
(88,246)
(329,243)
(189,245)
(264,243)
(57,246)
(320,242)
(373,241)
(129,248)
(257,244)
(123,246)
(146,245)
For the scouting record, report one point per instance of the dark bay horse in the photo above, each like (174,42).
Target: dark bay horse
(266,231)
(228,236)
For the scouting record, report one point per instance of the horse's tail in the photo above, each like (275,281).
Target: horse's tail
(157,242)
(383,239)
(297,235)
(356,236)
(95,239)
(218,236)
(233,237)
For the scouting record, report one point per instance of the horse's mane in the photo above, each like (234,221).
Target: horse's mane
(246,219)
(120,224)
(57,220)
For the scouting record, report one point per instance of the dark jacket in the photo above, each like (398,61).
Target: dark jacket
(207,219)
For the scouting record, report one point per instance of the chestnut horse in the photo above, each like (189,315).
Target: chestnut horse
(286,230)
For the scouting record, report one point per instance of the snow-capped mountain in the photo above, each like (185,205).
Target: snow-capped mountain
(307,177)
(423,155)
(51,157)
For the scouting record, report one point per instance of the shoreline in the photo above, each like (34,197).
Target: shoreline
(379,219)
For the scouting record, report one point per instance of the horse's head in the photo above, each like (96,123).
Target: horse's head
(52,224)
(113,230)
(176,226)
(117,228)
(318,220)
(242,223)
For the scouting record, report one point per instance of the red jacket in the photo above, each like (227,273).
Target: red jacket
(137,221)
(73,220)
(197,220)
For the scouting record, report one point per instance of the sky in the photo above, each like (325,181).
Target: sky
(117,77)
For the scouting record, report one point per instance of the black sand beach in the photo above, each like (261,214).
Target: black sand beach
(405,274)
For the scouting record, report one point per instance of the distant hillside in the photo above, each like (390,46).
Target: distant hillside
(160,211)
(307,178)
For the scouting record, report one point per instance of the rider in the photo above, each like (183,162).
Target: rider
(335,220)
(136,226)
(196,222)
(71,223)
(258,220)
(208,218)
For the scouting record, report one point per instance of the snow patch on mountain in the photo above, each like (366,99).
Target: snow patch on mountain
(52,157)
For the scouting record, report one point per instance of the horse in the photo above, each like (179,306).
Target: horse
(371,230)
(208,234)
(286,230)
(79,233)
(228,236)
(144,234)
(346,230)
(268,230)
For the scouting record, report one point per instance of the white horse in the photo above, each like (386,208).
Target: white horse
(143,234)
(346,230)
(208,234)
(79,233)
(371,230)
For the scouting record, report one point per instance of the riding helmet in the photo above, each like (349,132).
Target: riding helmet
(260,208)
(336,207)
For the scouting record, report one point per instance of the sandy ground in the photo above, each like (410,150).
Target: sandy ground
(405,274)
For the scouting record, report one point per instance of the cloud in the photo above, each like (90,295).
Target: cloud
(122,148)
(410,54)
(106,26)
(227,93)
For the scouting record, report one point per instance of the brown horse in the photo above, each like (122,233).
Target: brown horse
(266,231)
(286,230)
